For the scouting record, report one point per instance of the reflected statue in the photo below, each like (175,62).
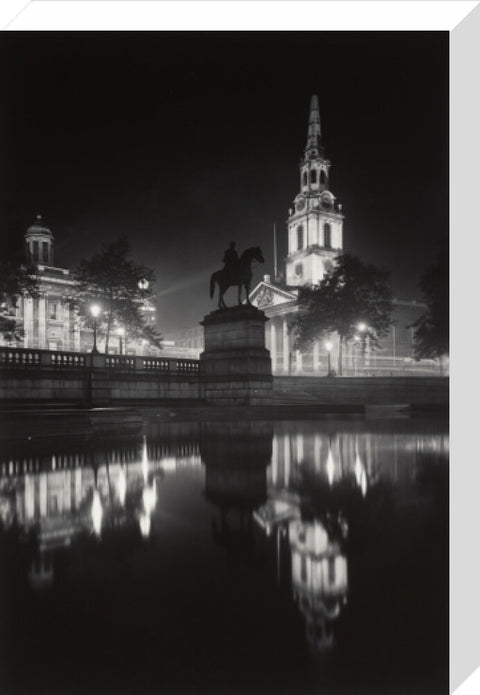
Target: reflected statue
(236,456)
(236,273)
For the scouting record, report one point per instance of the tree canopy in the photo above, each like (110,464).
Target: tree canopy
(353,292)
(120,287)
(432,328)
(17,278)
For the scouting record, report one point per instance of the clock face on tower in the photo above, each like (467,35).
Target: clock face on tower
(300,204)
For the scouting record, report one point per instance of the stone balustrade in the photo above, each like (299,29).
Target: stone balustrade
(25,358)
(96,379)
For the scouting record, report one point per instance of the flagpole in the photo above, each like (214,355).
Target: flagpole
(274,253)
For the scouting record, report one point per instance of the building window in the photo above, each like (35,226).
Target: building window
(323,177)
(305,178)
(298,269)
(299,237)
(45,251)
(35,251)
(53,310)
(327,235)
(313,176)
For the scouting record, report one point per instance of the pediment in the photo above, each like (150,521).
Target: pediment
(266,294)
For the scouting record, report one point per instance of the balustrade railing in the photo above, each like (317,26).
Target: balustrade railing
(119,362)
(20,358)
(156,364)
(17,357)
(72,360)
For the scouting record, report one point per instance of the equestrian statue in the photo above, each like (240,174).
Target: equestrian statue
(237,272)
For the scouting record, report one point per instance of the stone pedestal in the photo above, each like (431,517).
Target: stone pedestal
(235,367)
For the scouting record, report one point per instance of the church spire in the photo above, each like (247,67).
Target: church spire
(314,131)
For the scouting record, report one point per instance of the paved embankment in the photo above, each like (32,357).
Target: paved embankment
(412,391)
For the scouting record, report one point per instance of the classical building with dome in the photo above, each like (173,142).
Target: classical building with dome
(48,321)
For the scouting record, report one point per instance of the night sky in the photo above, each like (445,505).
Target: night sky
(186,141)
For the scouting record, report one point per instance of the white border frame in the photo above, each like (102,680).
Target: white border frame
(462,19)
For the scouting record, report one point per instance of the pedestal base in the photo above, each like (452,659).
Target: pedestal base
(235,367)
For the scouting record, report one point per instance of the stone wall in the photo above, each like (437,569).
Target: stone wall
(65,377)
(362,390)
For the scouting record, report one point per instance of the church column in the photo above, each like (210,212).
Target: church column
(273,346)
(285,347)
(27,321)
(42,313)
(66,326)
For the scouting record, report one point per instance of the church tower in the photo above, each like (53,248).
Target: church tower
(315,225)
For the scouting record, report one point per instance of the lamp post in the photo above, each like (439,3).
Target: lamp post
(95,312)
(356,339)
(362,328)
(329,346)
(120,333)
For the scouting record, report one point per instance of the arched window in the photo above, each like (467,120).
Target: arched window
(327,235)
(299,237)
(323,177)
(305,179)
(313,176)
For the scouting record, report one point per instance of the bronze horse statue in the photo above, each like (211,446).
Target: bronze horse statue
(241,276)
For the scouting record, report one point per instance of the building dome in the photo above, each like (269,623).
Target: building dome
(39,241)
(39,228)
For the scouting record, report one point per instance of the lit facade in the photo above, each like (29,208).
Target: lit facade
(48,320)
(315,239)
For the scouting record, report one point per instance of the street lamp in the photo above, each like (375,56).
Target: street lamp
(120,333)
(356,339)
(95,310)
(329,346)
(362,327)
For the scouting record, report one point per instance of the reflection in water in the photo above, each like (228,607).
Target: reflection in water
(83,487)
(314,486)
(97,513)
(312,510)
(319,579)
(236,456)
(122,485)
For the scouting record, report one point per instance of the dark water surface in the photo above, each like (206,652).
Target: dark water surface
(250,557)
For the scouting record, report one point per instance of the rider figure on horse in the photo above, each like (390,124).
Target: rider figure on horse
(230,259)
